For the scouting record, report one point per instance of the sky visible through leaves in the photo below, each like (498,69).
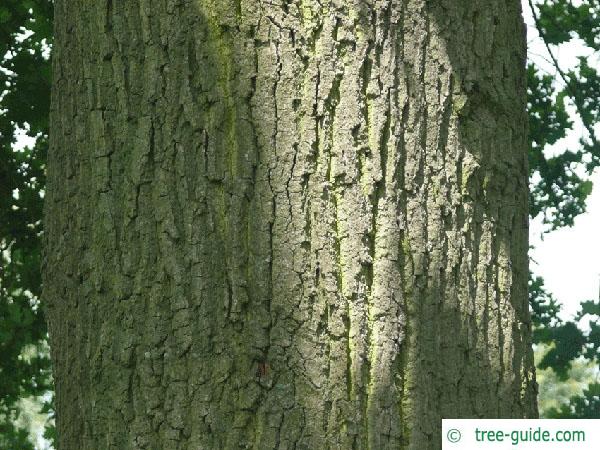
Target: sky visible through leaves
(568,258)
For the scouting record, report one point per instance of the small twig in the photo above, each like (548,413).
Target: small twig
(547,45)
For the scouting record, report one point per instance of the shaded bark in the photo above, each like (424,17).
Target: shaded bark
(288,224)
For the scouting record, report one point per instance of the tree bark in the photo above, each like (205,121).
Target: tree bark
(295,224)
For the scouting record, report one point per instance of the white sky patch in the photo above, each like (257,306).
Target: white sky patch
(569,258)
(23,140)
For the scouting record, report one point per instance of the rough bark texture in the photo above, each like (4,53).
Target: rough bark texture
(295,224)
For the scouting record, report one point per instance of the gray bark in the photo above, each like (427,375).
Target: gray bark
(295,224)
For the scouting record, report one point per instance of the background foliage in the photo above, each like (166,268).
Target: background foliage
(25,34)
(568,355)
(559,190)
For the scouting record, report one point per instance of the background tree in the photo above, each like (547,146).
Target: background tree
(25,32)
(561,191)
(294,225)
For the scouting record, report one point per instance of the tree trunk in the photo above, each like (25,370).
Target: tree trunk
(295,224)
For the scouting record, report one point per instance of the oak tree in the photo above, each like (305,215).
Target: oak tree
(291,224)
